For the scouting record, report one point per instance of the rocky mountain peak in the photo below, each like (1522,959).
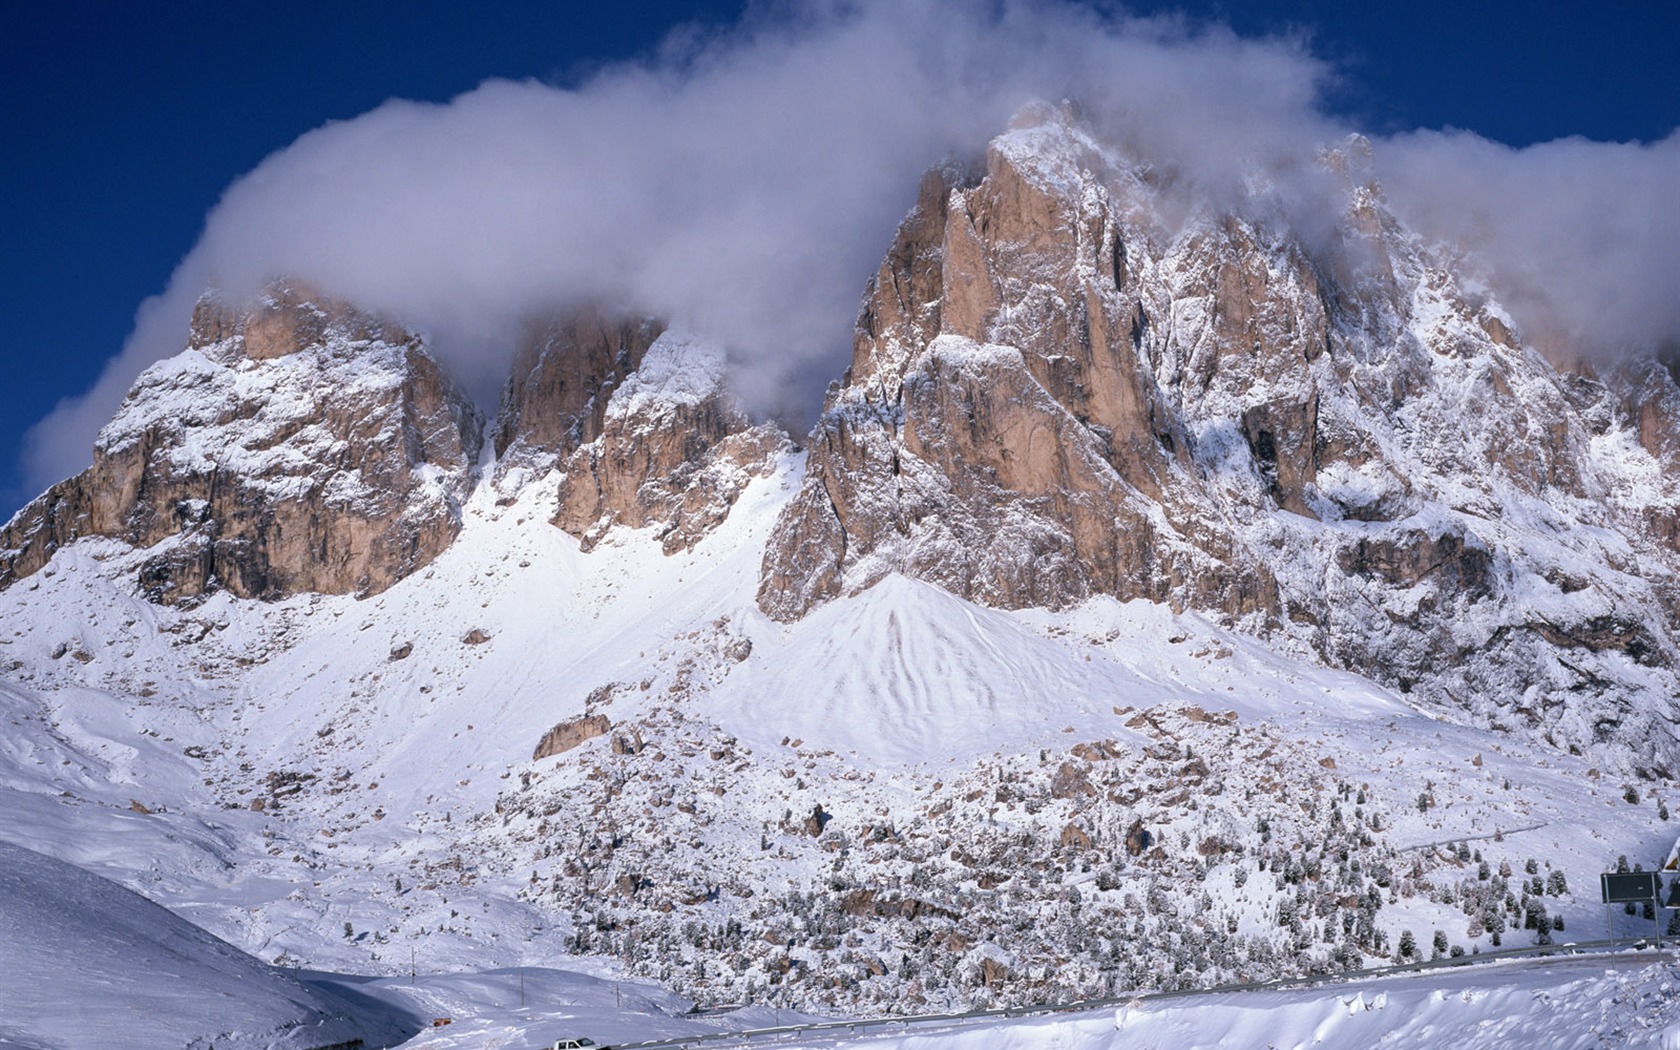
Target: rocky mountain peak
(635,419)
(674,450)
(565,368)
(998,434)
(1058,393)
(287,317)
(297,443)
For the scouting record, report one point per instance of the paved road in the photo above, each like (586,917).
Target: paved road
(866,1025)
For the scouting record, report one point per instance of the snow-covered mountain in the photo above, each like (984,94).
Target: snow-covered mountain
(1057,392)
(297,444)
(1165,596)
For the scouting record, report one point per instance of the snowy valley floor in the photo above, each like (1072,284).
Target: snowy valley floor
(1631,999)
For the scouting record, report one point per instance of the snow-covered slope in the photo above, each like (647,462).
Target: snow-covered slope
(1628,1001)
(90,964)
(903,801)
(1560,1005)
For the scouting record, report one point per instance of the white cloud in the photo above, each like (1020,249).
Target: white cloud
(748,182)
(1582,239)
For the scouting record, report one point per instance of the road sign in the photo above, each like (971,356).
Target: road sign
(1629,886)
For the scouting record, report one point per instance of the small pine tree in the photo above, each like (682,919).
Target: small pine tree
(1556,884)
(1631,795)
(1439,944)
(1408,947)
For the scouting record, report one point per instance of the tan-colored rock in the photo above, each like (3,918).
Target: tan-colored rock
(570,734)
(298,444)
(1022,454)
(567,366)
(640,441)
(673,452)
(1138,838)
(1075,837)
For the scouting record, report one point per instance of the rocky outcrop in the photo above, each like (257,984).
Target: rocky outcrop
(638,423)
(297,444)
(1058,392)
(672,453)
(998,433)
(570,734)
(564,373)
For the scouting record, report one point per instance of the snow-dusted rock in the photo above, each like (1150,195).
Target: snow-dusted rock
(299,444)
(673,452)
(1072,376)
(564,373)
(636,418)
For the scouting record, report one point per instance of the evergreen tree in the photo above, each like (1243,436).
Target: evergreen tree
(1408,947)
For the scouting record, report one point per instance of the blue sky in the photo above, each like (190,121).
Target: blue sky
(126,125)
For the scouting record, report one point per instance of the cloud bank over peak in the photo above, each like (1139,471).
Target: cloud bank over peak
(746,181)
(1581,239)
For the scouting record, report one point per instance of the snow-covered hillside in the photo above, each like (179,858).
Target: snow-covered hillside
(902,802)
(88,963)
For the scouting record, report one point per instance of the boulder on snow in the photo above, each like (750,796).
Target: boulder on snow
(570,734)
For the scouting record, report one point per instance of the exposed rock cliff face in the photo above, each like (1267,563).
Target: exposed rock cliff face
(673,452)
(564,373)
(297,445)
(637,420)
(1056,393)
